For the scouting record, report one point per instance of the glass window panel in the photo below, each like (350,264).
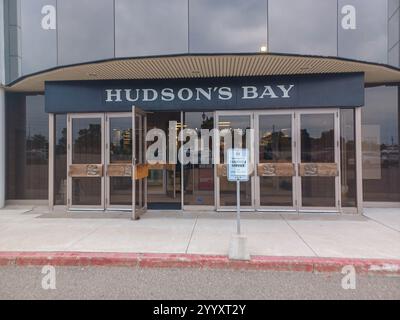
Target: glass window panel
(318,138)
(151,27)
(85,30)
(199,178)
(394,28)
(39,46)
(369,40)
(86,191)
(86,141)
(303,26)
(318,192)
(348,158)
(276,147)
(380,145)
(318,146)
(121,140)
(120,191)
(394,56)
(227,25)
(27,147)
(393,5)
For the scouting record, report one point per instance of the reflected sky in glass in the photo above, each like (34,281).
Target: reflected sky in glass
(303,26)
(151,27)
(39,46)
(227,26)
(369,40)
(382,108)
(85,30)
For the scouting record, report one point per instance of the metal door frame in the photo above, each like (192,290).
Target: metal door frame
(108,116)
(258,206)
(336,116)
(70,118)
(137,112)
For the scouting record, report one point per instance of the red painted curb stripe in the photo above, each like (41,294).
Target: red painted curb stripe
(300,264)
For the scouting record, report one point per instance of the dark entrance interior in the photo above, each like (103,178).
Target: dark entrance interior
(164,180)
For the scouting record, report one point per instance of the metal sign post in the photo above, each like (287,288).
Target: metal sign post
(238,206)
(238,171)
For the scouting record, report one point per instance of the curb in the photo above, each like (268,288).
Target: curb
(144,260)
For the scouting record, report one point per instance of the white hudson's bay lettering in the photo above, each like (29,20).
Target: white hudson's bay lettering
(279,91)
(199,94)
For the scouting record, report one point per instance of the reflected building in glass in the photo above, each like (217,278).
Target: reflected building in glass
(316,82)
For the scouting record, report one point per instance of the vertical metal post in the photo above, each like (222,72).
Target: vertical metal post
(2,147)
(238,206)
(51,160)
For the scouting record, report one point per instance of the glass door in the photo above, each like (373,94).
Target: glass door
(198,178)
(140,166)
(275,158)
(318,160)
(107,162)
(85,162)
(235,132)
(119,161)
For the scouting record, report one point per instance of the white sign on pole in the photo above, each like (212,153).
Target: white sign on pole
(238,165)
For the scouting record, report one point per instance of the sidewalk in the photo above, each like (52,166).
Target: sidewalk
(374,236)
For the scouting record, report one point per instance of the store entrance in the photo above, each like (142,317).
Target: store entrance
(106,161)
(296,160)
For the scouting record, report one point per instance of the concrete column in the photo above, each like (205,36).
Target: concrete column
(2,148)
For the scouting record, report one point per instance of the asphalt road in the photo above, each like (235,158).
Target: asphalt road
(181,284)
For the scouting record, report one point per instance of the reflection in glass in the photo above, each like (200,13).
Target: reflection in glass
(86,149)
(120,131)
(236,126)
(85,30)
(121,140)
(317,138)
(151,27)
(303,26)
(318,146)
(199,178)
(27,147)
(38,46)
(368,41)
(86,191)
(380,144)
(121,191)
(276,147)
(86,141)
(227,25)
(348,158)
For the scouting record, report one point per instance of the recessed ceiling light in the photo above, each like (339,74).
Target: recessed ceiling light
(263,49)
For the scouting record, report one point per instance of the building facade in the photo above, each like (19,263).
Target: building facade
(313,86)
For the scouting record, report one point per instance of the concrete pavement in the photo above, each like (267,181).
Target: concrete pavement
(375,235)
